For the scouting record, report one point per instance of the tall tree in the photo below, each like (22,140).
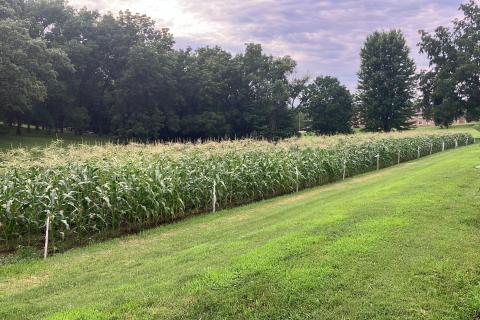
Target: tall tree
(142,94)
(451,86)
(208,102)
(329,106)
(26,65)
(267,79)
(386,82)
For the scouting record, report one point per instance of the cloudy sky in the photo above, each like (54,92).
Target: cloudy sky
(323,36)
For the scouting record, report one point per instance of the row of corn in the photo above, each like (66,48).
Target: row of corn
(93,198)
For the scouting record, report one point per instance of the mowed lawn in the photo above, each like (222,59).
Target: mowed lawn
(402,243)
(472,128)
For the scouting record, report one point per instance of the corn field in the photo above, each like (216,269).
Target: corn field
(102,191)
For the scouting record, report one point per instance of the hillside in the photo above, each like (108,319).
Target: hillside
(401,243)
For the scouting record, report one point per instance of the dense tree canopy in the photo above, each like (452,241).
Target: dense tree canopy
(120,75)
(451,87)
(386,82)
(329,106)
(27,68)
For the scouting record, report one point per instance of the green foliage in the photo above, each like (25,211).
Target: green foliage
(134,85)
(114,194)
(24,63)
(451,87)
(386,82)
(329,106)
(78,118)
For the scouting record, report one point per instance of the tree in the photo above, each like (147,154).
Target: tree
(386,82)
(120,75)
(11,8)
(451,86)
(142,94)
(25,66)
(266,78)
(208,104)
(329,106)
(78,119)
(440,101)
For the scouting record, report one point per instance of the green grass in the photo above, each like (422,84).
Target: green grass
(472,128)
(401,243)
(9,140)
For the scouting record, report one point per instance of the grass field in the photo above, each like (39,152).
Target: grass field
(472,128)
(401,243)
(9,140)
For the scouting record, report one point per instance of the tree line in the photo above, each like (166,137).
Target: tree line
(120,75)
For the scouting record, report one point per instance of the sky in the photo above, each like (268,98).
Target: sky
(323,36)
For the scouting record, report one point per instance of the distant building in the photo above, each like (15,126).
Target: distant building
(419,120)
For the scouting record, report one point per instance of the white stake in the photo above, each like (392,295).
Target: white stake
(456,143)
(297,174)
(466,142)
(398,162)
(378,161)
(418,152)
(47,227)
(443,146)
(344,168)
(214,196)
(431,148)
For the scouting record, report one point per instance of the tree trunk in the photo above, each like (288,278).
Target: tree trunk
(19,128)
(386,126)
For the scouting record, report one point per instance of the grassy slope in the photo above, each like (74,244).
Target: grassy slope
(398,244)
(9,140)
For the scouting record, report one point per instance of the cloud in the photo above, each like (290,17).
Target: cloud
(324,36)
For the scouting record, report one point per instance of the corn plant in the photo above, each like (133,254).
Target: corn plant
(115,193)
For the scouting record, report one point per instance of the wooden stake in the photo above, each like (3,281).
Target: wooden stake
(297,174)
(47,227)
(214,196)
